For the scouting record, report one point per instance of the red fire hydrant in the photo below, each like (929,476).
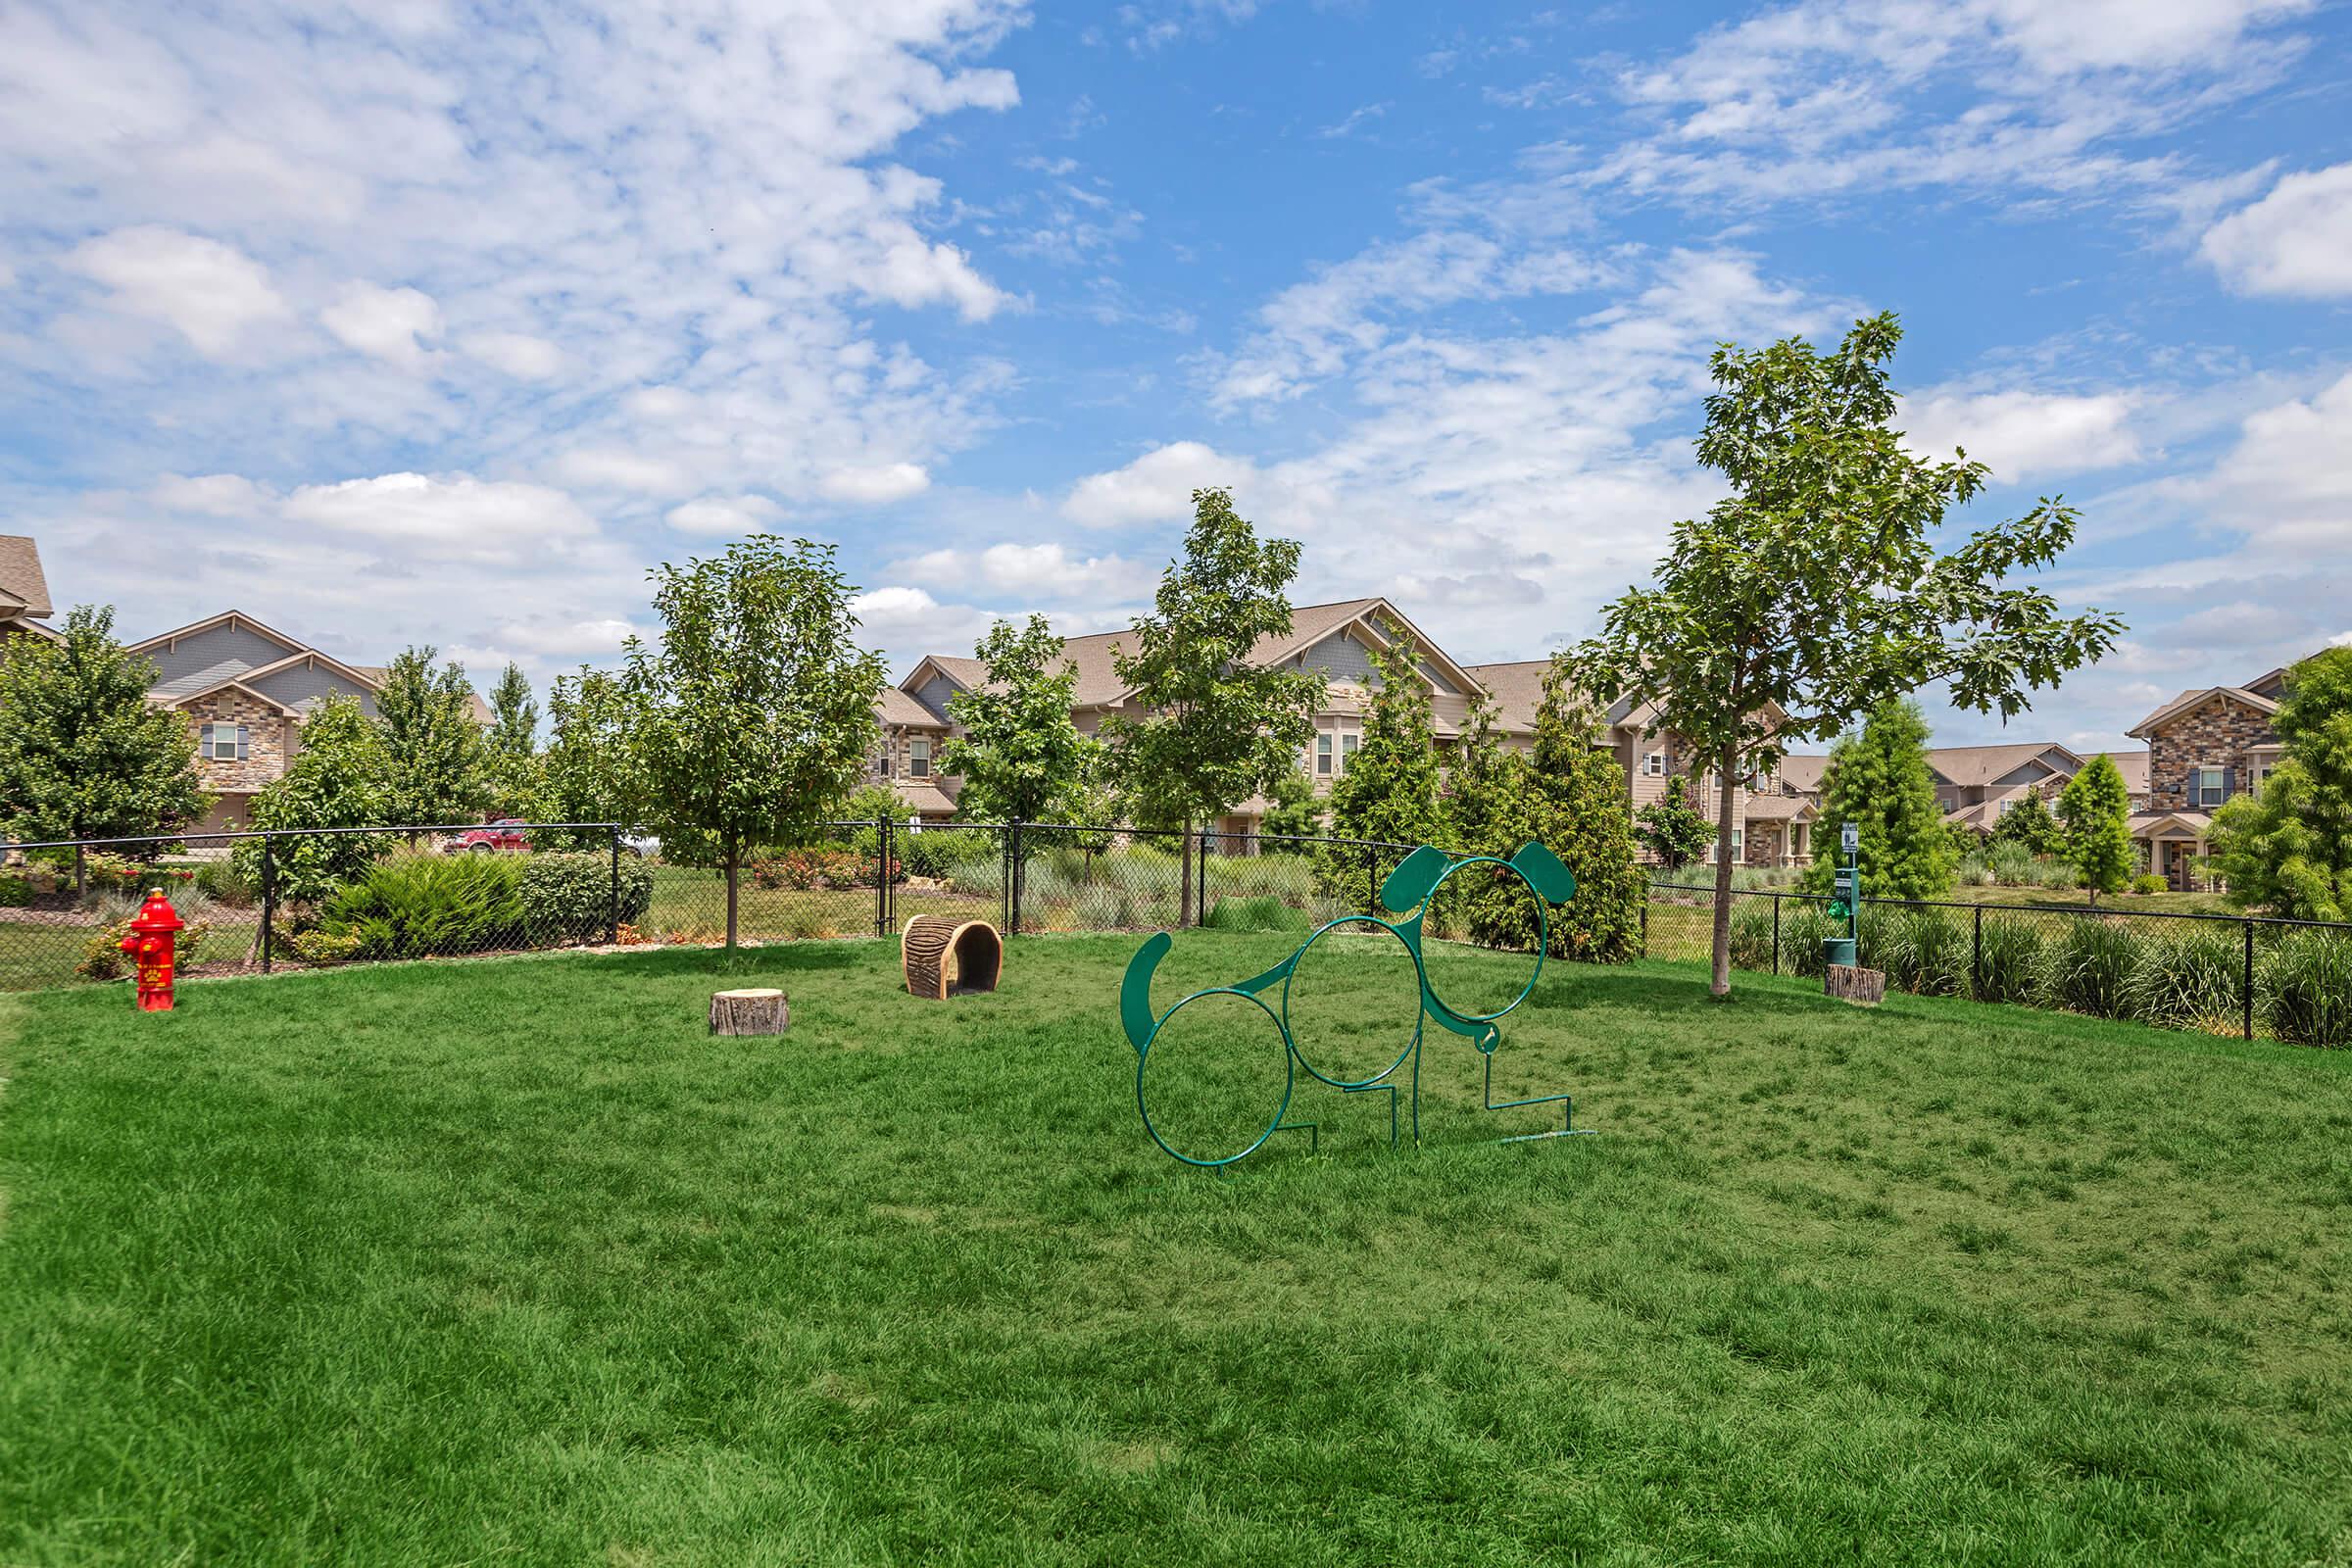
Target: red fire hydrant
(151,944)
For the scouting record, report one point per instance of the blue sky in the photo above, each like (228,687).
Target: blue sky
(426,323)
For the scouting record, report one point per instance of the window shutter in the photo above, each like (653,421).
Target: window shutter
(241,743)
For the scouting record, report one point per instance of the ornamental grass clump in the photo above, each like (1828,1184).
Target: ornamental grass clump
(2303,989)
(431,906)
(2007,960)
(2085,967)
(1803,929)
(2190,980)
(1925,952)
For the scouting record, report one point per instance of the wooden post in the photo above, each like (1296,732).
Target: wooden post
(756,1011)
(1865,988)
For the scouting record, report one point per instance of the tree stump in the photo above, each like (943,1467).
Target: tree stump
(1865,988)
(757,1012)
(944,956)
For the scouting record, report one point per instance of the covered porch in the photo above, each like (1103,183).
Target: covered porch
(2173,846)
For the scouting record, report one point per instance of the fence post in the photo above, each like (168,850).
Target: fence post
(268,897)
(1012,883)
(1975,957)
(1646,925)
(612,904)
(1776,933)
(2249,979)
(882,877)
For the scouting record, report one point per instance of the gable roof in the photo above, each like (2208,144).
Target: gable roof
(1975,765)
(895,706)
(2133,766)
(2189,699)
(1803,774)
(182,699)
(23,590)
(292,645)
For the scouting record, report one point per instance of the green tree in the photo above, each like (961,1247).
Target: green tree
(1671,828)
(1388,790)
(1582,815)
(2030,824)
(1812,591)
(2094,810)
(511,769)
(589,772)
(1880,780)
(1479,803)
(341,778)
(88,756)
(1294,810)
(1021,756)
(432,741)
(753,717)
(2289,849)
(1213,728)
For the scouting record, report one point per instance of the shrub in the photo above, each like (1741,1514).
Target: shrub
(1976,871)
(2084,969)
(322,945)
(1263,912)
(1804,927)
(15,890)
(425,906)
(2008,960)
(1924,951)
(2187,981)
(2011,864)
(103,957)
(2303,989)
(570,898)
(2150,883)
(1751,934)
(223,883)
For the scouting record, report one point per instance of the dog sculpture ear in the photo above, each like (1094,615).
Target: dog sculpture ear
(1553,882)
(1413,877)
(1135,990)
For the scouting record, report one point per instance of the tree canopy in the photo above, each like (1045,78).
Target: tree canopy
(753,717)
(589,772)
(1210,728)
(1812,591)
(433,750)
(1021,756)
(1388,790)
(1671,828)
(340,778)
(2289,848)
(2094,816)
(88,757)
(1879,780)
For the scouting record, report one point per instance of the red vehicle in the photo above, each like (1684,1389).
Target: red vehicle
(491,838)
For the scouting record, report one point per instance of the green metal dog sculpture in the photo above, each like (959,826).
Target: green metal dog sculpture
(1412,886)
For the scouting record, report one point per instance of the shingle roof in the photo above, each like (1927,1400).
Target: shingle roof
(2190,699)
(1517,689)
(895,706)
(923,797)
(20,579)
(1777,807)
(1803,774)
(1972,765)
(2133,766)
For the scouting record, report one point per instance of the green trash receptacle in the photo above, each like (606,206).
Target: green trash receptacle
(1838,951)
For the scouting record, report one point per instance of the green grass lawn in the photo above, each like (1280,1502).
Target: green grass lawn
(507,1261)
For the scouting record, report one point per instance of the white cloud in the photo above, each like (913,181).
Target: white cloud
(607,469)
(1157,487)
(1039,572)
(211,293)
(2023,434)
(392,324)
(2295,241)
(567,639)
(723,515)
(216,494)
(877,484)
(517,354)
(453,519)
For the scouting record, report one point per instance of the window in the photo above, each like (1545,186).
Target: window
(882,762)
(1347,746)
(1738,841)
(918,758)
(222,743)
(2208,786)
(1323,755)
(1655,765)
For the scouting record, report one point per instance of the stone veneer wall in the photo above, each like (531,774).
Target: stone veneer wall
(268,742)
(2216,735)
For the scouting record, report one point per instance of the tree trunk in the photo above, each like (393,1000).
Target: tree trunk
(1183,894)
(749,1012)
(1721,984)
(731,857)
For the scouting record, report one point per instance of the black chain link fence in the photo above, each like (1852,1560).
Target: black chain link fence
(258,902)
(2243,975)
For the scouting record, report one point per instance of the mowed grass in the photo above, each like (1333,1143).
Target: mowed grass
(507,1261)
